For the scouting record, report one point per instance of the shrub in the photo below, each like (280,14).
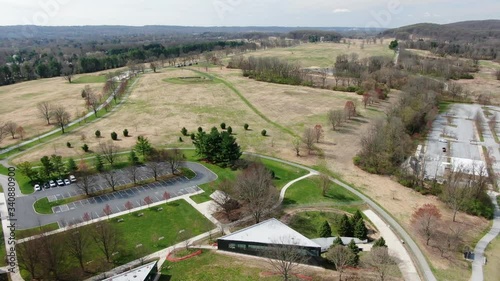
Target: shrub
(180,139)
(68,144)
(223,126)
(114,136)
(263,133)
(85,148)
(97,134)
(184,131)
(200,129)
(230,130)
(193,136)
(246,126)
(125,133)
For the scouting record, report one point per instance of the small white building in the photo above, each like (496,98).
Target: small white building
(145,272)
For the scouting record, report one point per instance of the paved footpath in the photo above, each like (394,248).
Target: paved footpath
(477,265)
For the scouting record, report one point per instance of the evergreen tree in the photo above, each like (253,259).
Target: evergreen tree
(345,227)
(357,216)
(354,260)
(360,230)
(133,159)
(98,163)
(338,241)
(325,230)
(143,146)
(217,147)
(57,164)
(71,165)
(47,166)
(379,243)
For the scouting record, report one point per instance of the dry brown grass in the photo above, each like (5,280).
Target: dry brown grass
(19,103)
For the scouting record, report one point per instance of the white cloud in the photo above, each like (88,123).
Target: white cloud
(336,11)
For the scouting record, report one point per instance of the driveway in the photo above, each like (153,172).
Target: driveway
(28,218)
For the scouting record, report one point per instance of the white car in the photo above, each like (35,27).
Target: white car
(60,182)
(72,178)
(67,182)
(52,183)
(443,140)
(37,187)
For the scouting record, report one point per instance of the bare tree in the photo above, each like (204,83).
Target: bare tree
(380,259)
(3,132)
(29,256)
(62,117)
(85,182)
(324,183)
(254,186)
(426,220)
(223,198)
(11,127)
(132,172)
(174,158)
(318,133)
(67,72)
(340,256)
(308,138)
(296,146)
(108,151)
(497,74)
(20,132)
(53,255)
(77,242)
(45,111)
(129,206)
(93,100)
(111,179)
(107,239)
(335,118)
(153,66)
(456,191)
(285,256)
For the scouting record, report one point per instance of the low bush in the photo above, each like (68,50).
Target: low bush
(125,133)
(114,136)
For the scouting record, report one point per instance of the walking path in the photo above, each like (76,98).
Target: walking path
(479,259)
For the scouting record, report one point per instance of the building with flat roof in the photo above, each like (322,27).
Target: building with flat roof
(145,272)
(254,240)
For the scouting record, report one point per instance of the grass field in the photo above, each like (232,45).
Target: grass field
(308,192)
(20,234)
(491,269)
(324,54)
(86,79)
(211,266)
(308,223)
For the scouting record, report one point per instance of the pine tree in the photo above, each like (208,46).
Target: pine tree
(357,216)
(143,146)
(354,260)
(98,163)
(360,230)
(71,165)
(379,243)
(325,230)
(345,227)
(338,241)
(133,159)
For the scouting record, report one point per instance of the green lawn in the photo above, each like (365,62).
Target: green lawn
(283,173)
(43,206)
(90,79)
(307,191)
(23,181)
(308,223)
(20,234)
(211,266)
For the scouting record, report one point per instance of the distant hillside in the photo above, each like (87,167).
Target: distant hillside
(474,31)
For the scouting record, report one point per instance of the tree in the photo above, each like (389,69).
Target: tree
(217,147)
(350,109)
(308,138)
(325,230)
(125,133)
(230,130)
(354,261)
(263,133)
(132,172)
(223,126)
(62,117)
(380,243)
(47,166)
(109,151)
(335,118)
(85,181)
(174,158)
(394,45)
(143,146)
(71,165)
(426,221)
(45,111)
(129,206)
(29,256)
(223,198)
(340,257)
(457,190)
(318,133)
(53,255)
(246,126)
(133,159)
(11,127)
(85,147)
(184,131)
(92,99)
(97,134)
(114,136)
(148,200)
(98,163)
(166,196)
(78,242)
(360,230)
(110,178)
(324,183)
(57,164)
(345,227)
(107,210)
(26,169)
(153,66)
(107,239)
(254,186)
(380,259)
(356,217)
(284,256)
(338,241)
(20,132)
(67,72)
(296,142)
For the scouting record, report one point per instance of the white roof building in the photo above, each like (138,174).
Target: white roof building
(140,273)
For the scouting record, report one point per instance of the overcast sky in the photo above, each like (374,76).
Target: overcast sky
(359,13)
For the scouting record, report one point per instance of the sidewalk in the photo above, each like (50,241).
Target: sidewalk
(4,214)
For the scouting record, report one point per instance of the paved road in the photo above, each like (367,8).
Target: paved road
(28,218)
(477,265)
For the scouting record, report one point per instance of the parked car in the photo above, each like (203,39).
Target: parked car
(37,187)
(72,178)
(444,149)
(60,182)
(67,182)
(52,183)
(46,185)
